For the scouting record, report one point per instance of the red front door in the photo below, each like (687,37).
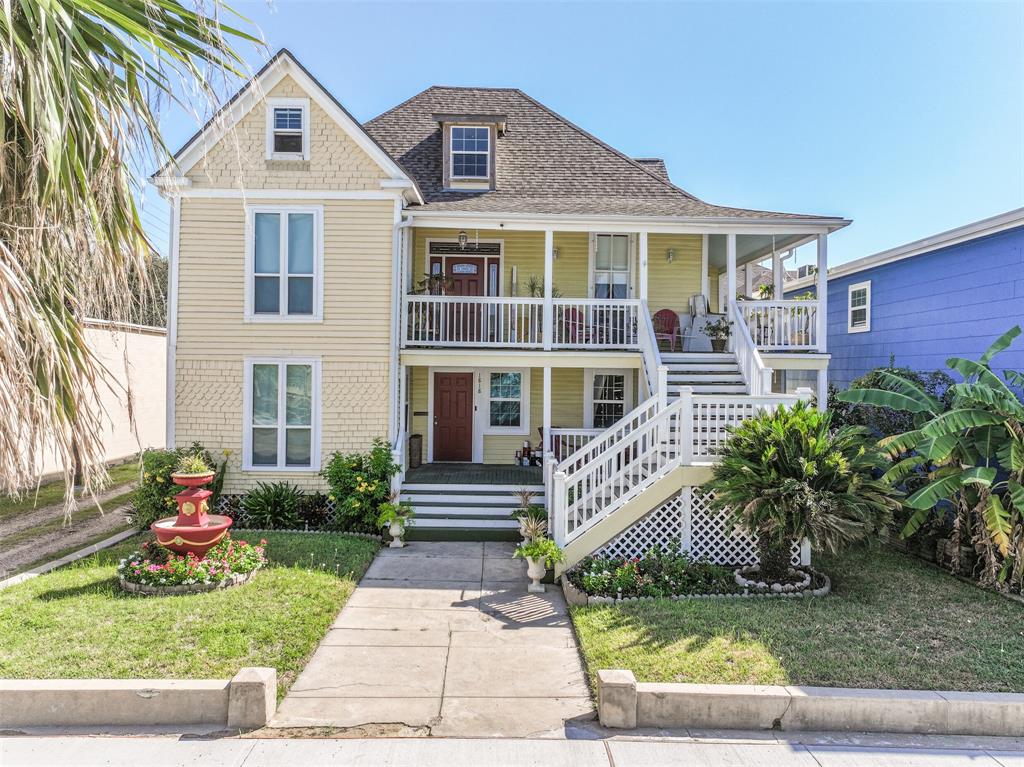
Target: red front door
(453,416)
(466,276)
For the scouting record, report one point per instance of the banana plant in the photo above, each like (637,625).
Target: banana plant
(972,454)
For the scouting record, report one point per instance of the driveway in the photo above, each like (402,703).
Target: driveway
(443,639)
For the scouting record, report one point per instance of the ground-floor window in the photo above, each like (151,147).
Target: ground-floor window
(788,381)
(608,397)
(507,392)
(282,406)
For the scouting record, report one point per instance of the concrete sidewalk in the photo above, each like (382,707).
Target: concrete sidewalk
(443,639)
(424,752)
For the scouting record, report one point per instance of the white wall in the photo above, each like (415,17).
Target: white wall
(136,357)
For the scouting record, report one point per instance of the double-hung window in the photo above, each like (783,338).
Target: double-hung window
(608,398)
(287,129)
(284,264)
(471,151)
(611,266)
(508,395)
(282,402)
(859,308)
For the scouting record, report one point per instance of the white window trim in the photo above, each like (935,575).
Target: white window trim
(588,391)
(592,262)
(287,103)
(866,287)
(452,153)
(314,456)
(524,402)
(318,263)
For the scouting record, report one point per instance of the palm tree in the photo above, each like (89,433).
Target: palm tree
(786,475)
(81,82)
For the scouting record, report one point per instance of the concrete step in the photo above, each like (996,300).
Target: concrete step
(670,357)
(711,389)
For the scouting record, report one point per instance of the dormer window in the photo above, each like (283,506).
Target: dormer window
(471,151)
(287,129)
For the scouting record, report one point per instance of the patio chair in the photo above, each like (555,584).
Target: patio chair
(573,328)
(666,327)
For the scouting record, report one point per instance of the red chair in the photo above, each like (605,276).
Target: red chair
(574,327)
(666,327)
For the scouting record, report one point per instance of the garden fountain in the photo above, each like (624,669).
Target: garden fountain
(194,530)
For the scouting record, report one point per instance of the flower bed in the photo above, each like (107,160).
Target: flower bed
(154,569)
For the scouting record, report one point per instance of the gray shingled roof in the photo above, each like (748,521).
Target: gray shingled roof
(545,164)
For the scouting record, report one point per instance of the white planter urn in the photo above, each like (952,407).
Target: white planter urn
(535,570)
(522,530)
(396,528)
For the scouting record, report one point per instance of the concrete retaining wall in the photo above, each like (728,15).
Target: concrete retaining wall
(625,703)
(244,702)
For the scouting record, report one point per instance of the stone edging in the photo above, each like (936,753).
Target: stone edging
(186,588)
(367,536)
(625,703)
(245,702)
(576,597)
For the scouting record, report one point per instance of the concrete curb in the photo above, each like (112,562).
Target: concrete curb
(625,703)
(68,558)
(247,701)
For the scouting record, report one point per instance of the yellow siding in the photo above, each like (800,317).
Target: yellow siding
(669,286)
(335,160)
(713,276)
(213,340)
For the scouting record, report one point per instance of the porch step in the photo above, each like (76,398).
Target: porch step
(466,510)
(705,373)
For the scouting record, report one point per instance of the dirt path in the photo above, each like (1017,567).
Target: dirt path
(36,517)
(52,539)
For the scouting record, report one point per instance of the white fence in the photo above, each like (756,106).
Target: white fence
(596,323)
(782,325)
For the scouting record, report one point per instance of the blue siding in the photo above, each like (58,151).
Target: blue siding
(952,302)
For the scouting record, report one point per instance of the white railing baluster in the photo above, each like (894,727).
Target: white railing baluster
(781,325)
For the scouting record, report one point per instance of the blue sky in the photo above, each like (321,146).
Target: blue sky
(906,117)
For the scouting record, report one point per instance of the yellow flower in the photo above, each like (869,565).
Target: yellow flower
(159,479)
(331,498)
(146,475)
(355,504)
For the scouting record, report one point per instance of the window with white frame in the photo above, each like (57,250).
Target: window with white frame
(282,402)
(284,264)
(608,397)
(288,129)
(859,311)
(611,266)
(507,405)
(471,151)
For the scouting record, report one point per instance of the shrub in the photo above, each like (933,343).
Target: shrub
(360,483)
(153,565)
(315,511)
(154,497)
(543,549)
(786,475)
(659,573)
(273,506)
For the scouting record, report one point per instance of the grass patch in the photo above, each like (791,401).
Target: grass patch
(51,493)
(77,623)
(890,622)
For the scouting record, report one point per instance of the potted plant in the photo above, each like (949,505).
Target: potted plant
(540,554)
(192,471)
(395,517)
(533,523)
(719,332)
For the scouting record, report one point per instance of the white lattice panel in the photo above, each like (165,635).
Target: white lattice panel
(711,540)
(661,527)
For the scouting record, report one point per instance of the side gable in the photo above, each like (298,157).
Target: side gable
(230,150)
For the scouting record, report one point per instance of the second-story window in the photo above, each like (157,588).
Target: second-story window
(611,266)
(471,151)
(284,264)
(287,129)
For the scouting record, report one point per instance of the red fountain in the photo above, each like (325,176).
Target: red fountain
(193,530)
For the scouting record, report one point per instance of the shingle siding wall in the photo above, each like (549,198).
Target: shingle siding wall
(951,302)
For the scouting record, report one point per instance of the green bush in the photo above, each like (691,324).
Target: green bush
(360,483)
(659,573)
(154,497)
(315,512)
(273,506)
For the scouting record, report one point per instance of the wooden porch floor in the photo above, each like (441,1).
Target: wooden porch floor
(474,474)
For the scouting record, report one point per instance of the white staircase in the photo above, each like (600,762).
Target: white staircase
(705,373)
(466,508)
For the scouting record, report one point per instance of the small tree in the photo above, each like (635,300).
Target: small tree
(786,475)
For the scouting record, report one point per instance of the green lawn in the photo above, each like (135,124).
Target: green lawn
(76,622)
(53,492)
(891,622)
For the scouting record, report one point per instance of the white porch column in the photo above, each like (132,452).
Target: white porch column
(748,278)
(705,279)
(547,446)
(642,241)
(822,390)
(549,267)
(777,272)
(822,291)
(730,274)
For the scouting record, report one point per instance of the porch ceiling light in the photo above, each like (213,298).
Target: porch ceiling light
(554,253)
(463,239)
(670,255)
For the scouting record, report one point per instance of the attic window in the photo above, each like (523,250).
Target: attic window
(471,151)
(288,129)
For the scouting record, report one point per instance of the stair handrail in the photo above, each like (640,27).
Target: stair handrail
(651,355)
(756,374)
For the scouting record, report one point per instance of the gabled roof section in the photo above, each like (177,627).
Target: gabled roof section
(544,163)
(655,164)
(283,64)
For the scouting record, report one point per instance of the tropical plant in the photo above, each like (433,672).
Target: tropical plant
(80,89)
(535,287)
(395,512)
(272,506)
(719,330)
(533,526)
(192,463)
(971,453)
(360,483)
(436,284)
(766,291)
(543,549)
(786,475)
(525,496)
(315,511)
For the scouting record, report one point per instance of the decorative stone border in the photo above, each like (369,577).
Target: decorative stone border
(625,703)
(576,597)
(185,588)
(245,702)
(367,536)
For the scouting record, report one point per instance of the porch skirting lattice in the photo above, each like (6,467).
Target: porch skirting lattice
(685,519)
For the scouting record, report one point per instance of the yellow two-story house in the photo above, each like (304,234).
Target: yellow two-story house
(507,299)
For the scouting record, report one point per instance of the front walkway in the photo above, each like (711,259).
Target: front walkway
(443,639)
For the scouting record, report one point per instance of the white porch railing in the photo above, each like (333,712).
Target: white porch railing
(587,323)
(712,414)
(565,442)
(782,325)
(649,350)
(473,321)
(755,373)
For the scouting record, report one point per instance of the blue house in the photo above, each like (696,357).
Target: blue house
(949,295)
